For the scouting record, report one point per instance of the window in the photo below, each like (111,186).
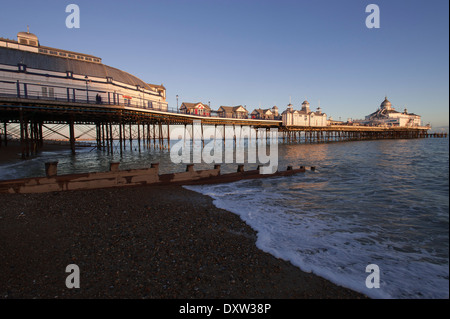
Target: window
(72,56)
(32,42)
(62,54)
(88,59)
(109,79)
(51,92)
(69,74)
(43,51)
(53,52)
(44,91)
(22,67)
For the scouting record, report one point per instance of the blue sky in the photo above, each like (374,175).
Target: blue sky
(260,53)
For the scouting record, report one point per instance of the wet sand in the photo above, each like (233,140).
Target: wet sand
(140,242)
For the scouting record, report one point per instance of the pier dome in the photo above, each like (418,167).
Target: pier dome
(386,104)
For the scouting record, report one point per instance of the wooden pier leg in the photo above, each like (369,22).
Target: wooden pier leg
(124,138)
(35,137)
(139,136)
(27,139)
(40,135)
(168,136)
(31,137)
(224,135)
(144,137)
(107,137)
(131,138)
(111,138)
(202,137)
(22,136)
(149,129)
(72,136)
(121,137)
(161,131)
(98,135)
(103,136)
(159,135)
(148,136)
(154,136)
(5,137)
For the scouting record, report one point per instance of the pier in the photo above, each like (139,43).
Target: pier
(48,91)
(115,126)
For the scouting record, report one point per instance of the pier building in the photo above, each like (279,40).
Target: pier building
(304,116)
(386,115)
(31,70)
(265,114)
(195,109)
(237,112)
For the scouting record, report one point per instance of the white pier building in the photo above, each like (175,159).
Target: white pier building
(303,117)
(30,70)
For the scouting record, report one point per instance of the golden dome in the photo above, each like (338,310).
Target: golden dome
(386,103)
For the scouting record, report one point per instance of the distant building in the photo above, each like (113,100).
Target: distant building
(265,114)
(331,121)
(195,109)
(238,112)
(276,115)
(386,115)
(304,117)
(30,70)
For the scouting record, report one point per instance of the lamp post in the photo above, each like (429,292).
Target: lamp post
(177,103)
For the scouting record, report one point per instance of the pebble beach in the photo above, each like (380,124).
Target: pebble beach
(148,242)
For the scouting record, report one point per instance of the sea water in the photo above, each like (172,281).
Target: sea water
(380,202)
(383,202)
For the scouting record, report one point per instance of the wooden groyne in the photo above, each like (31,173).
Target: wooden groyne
(135,177)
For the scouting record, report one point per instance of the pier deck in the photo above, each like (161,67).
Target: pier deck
(122,123)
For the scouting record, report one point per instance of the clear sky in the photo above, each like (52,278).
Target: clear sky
(260,53)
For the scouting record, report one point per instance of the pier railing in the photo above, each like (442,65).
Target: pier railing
(90,97)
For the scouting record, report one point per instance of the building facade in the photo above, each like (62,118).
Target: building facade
(265,114)
(304,116)
(386,115)
(195,109)
(237,112)
(30,70)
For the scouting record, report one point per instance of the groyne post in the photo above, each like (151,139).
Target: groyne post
(51,169)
